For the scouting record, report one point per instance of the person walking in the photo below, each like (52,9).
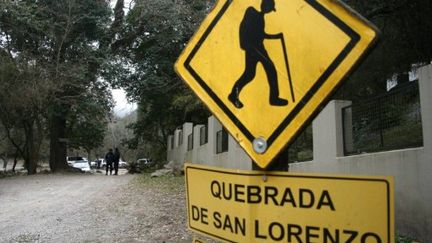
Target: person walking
(109,158)
(116,160)
(252,35)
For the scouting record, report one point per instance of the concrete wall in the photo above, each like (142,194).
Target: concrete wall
(413,213)
(234,158)
(327,127)
(178,152)
(411,168)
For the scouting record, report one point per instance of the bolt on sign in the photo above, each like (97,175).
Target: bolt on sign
(265,67)
(253,206)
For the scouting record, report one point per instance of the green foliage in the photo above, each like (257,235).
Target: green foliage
(140,167)
(302,147)
(132,167)
(52,51)
(404,44)
(23,95)
(87,127)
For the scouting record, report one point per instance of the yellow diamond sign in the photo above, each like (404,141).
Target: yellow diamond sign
(266,67)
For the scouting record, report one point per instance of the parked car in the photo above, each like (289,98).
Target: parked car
(122,164)
(82,165)
(73,159)
(98,163)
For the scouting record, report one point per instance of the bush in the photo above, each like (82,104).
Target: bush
(132,167)
(139,167)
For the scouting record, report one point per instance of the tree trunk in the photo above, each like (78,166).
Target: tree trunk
(58,146)
(31,165)
(15,161)
(33,157)
(31,152)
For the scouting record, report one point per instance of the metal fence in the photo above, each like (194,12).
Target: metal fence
(386,122)
(302,147)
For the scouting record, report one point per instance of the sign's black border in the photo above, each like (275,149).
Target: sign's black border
(354,39)
(286,176)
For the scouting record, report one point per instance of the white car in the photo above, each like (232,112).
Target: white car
(103,164)
(122,164)
(98,163)
(73,159)
(83,165)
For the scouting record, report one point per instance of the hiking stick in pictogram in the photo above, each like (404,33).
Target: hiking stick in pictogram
(285,54)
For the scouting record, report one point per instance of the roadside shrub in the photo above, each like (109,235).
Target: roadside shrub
(132,167)
(137,167)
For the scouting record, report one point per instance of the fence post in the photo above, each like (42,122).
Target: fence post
(170,148)
(347,124)
(187,130)
(328,142)
(425,86)
(213,127)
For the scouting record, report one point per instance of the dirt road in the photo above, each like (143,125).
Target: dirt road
(92,208)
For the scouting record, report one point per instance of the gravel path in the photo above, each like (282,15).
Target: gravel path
(92,208)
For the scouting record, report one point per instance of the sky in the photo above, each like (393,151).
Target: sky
(122,106)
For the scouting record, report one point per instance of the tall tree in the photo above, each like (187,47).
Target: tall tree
(63,39)
(23,95)
(87,121)
(79,27)
(153,36)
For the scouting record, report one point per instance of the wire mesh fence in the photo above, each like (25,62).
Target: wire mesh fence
(302,147)
(386,122)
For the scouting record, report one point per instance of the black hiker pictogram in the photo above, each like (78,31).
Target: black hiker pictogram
(252,35)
